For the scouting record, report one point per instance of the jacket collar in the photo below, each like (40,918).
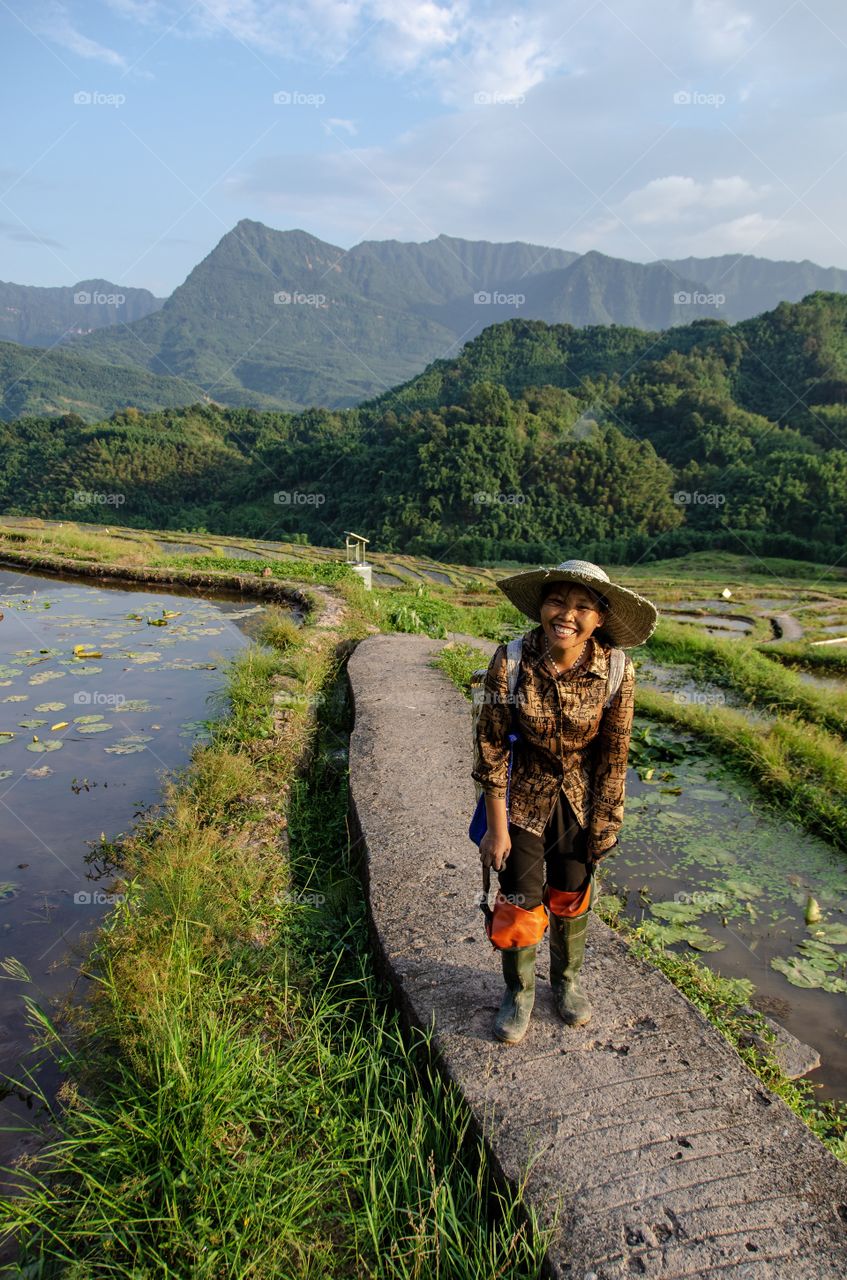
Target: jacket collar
(535,648)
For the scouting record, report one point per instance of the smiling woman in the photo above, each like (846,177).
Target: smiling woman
(572,712)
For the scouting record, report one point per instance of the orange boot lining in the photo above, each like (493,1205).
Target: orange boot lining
(512,926)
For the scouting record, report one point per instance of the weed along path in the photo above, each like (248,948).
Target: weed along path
(649,1142)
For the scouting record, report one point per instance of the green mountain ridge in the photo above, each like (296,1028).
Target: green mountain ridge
(283,319)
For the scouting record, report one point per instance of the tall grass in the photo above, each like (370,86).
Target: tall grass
(737,665)
(240,1100)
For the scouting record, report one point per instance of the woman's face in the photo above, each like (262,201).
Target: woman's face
(569,615)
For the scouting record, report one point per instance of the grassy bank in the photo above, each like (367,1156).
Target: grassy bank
(239,1098)
(739,666)
(719,999)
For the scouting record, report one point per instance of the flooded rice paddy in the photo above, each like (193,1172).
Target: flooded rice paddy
(103,693)
(705,864)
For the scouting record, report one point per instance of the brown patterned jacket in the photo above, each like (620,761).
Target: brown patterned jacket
(566,740)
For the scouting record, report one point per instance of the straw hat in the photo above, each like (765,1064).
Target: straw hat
(630,619)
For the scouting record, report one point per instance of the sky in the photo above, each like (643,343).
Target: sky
(144,130)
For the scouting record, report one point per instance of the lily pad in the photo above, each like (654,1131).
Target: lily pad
(5,773)
(51,706)
(87,719)
(833,932)
(31,723)
(44,772)
(101,727)
(706,793)
(18,697)
(125,748)
(801,972)
(676,912)
(49,744)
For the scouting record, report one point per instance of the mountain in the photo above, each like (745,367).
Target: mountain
(281,319)
(59,381)
(751,285)
(39,317)
(300,321)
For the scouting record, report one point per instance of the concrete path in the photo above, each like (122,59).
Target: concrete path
(664,1155)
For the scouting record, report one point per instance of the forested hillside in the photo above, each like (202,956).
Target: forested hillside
(535,439)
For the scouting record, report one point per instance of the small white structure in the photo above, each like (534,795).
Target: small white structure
(357,557)
(726,593)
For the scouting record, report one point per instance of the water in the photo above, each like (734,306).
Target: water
(151,688)
(698,847)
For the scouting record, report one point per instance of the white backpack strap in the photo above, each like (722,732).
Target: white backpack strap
(513,663)
(617,665)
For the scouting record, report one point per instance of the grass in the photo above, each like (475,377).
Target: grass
(739,666)
(239,1097)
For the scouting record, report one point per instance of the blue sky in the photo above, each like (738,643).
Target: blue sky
(145,129)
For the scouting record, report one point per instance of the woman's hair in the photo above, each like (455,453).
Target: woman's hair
(600,601)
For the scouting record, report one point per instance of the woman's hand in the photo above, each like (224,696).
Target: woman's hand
(494,849)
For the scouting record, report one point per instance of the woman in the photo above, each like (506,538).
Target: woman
(566,789)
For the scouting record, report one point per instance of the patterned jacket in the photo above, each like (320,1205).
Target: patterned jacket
(566,740)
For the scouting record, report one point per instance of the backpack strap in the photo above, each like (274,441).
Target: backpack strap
(617,665)
(513,663)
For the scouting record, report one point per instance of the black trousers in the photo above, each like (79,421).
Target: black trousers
(559,856)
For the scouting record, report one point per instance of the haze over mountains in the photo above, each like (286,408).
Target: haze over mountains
(280,319)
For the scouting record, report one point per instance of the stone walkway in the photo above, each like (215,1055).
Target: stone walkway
(663,1155)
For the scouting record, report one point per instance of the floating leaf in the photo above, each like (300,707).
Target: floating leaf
(101,727)
(676,912)
(18,697)
(44,772)
(31,723)
(49,744)
(834,932)
(51,706)
(702,940)
(804,972)
(87,719)
(44,676)
(7,891)
(5,773)
(125,749)
(706,793)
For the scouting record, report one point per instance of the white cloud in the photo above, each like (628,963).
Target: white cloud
(56,25)
(665,200)
(333,124)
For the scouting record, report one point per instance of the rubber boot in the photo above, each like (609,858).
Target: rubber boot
(519,974)
(567,952)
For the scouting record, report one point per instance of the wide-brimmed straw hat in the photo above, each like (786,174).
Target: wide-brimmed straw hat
(629,621)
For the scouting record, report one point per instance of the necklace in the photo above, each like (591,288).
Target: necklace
(573,664)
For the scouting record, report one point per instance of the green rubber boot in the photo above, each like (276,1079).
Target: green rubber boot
(519,974)
(567,952)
